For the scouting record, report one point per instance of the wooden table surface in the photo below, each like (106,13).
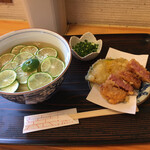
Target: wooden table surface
(7,26)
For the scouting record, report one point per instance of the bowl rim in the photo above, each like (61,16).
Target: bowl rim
(38,30)
(88,56)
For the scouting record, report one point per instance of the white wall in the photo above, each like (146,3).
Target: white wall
(101,12)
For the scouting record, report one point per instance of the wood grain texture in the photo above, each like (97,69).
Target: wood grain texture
(101,12)
(75,29)
(12,25)
(112,147)
(6,1)
(109,12)
(105,130)
(13,10)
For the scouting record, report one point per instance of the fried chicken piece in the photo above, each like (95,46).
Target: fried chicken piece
(131,78)
(119,82)
(138,69)
(112,93)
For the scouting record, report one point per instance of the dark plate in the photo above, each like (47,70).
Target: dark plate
(114,129)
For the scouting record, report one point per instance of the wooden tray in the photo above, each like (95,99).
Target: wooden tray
(114,129)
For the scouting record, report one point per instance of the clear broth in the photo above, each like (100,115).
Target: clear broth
(40,45)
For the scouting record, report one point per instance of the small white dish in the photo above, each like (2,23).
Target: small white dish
(91,38)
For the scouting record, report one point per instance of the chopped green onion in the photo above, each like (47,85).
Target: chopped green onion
(85,48)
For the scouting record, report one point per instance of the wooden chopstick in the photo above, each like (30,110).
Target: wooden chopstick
(94,113)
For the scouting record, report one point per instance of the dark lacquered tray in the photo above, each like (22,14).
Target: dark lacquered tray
(114,129)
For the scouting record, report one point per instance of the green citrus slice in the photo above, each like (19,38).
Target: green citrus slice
(5,58)
(45,52)
(38,80)
(10,65)
(22,88)
(23,76)
(11,88)
(15,50)
(53,66)
(30,65)
(22,57)
(31,49)
(7,77)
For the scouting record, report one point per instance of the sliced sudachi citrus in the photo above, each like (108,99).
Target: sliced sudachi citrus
(7,77)
(30,65)
(22,76)
(31,49)
(53,66)
(22,57)
(5,58)
(38,80)
(11,88)
(45,52)
(15,50)
(10,65)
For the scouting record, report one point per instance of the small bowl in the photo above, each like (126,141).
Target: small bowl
(91,38)
(11,39)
